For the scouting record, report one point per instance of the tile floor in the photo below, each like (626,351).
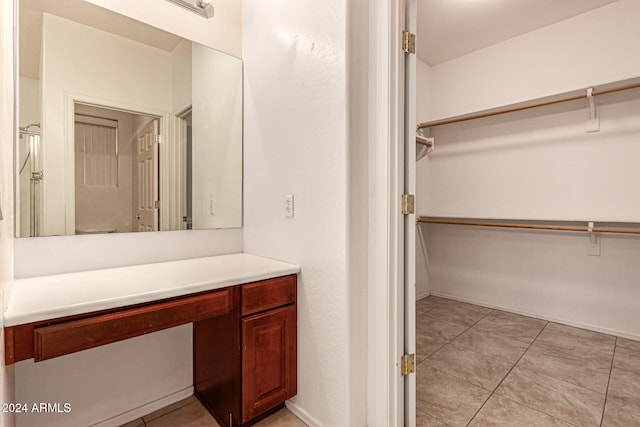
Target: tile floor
(484,367)
(190,413)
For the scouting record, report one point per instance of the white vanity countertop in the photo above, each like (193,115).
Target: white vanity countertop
(59,295)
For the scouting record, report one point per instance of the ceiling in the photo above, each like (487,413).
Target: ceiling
(448,29)
(30,39)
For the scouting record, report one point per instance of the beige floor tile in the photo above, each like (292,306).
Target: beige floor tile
(628,344)
(625,385)
(499,411)
(469,309)
(426,346)
(440,328)
(447,398)
(562,400)
(628,360)
(191,415)
(584,371)
(134,423)
(462,313)
(454,316)
(491,345)
(518,318)
(579,341)
(511,326)
(425,420)
(469,366)
(282,418)
(440,299)
(170,408)
(620,413)
(425,304)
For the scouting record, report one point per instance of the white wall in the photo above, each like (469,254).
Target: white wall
(181,76)
(539,164)
(103,382)
(6,192)
(296,143)
(108,73)
(217,135)
(222,32)
(423,106)
(569,55)
(30,112)
(172,158)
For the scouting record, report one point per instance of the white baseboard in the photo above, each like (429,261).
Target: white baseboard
(423,295)
(143,410)
(567,322)
(302,414)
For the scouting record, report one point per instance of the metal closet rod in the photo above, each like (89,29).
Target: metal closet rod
(616,230)
(525,107)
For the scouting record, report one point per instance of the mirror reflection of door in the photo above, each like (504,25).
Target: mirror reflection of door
(112,188)
(147,182)
(186,134)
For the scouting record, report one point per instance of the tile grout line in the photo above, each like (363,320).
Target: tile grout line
(478,321)
(445,373)
(606,394)
(452,339)
(507,374)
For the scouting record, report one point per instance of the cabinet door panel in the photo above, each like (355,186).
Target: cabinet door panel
(268,360)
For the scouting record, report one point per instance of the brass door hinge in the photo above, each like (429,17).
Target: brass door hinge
(158,139)
(408,204)
(156,204)
(408,364)
(408,42)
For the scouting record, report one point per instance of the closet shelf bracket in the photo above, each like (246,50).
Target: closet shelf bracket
(593,245)
(593,123)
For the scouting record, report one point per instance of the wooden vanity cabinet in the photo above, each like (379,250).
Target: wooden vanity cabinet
(245,362)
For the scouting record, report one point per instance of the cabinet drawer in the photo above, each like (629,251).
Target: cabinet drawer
(268,294)
(69,337)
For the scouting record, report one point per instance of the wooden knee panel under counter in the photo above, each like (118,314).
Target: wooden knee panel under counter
(261,339)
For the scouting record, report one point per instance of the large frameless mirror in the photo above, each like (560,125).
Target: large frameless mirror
(122,127)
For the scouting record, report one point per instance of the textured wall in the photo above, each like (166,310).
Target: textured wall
(296,143)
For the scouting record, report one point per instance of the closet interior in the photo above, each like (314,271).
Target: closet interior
(528,213)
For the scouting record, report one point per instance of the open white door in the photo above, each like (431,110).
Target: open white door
(147,171)
(410,219)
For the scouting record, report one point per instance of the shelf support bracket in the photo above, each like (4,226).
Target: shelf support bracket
(593,246)
(593,123)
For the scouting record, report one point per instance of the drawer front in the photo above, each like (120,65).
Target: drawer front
(268,294)
(69,337)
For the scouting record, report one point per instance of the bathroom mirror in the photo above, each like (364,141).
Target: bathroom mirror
(122,127)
